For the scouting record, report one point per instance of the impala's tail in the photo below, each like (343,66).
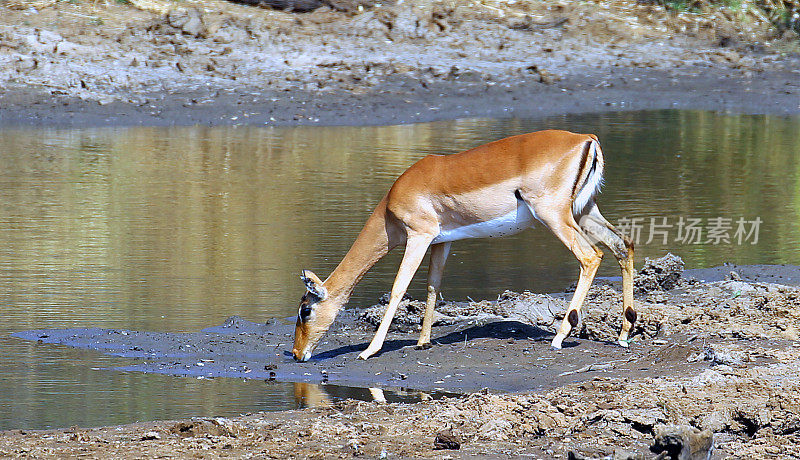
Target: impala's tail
(590,177)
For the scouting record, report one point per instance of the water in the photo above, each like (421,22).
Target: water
(175,229)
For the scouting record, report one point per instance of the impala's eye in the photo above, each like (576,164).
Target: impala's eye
(305,307)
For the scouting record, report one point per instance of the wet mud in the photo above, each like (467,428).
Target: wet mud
(502,345)
(156,62)
(714,362)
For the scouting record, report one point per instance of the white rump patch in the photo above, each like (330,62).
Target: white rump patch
(591,187)
(509,224)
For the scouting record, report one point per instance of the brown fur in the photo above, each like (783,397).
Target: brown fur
(441,193)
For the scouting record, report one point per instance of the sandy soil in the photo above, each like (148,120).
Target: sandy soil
(211,62)
(715,360)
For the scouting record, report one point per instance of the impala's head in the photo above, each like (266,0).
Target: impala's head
(315,316)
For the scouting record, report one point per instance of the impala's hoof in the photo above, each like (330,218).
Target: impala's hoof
(366,354)
(423,346)
(624,343)
(556,343)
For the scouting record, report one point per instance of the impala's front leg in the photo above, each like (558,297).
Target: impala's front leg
(439,254)
(416,245)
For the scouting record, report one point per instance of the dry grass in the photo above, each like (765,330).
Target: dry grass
(25,4)
(153,6)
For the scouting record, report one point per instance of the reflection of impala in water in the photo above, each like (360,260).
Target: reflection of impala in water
(316,395)
(497,189)
(310,395)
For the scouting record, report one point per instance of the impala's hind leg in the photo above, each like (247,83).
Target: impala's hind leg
(439,254)
(597,227)
(574,238)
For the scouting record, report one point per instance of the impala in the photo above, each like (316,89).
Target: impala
(497,189)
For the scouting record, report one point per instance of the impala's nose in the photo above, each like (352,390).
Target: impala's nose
(300,356)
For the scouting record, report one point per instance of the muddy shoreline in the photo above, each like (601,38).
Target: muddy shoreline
(498,345)
(770,93)
(157,63)
(716,352)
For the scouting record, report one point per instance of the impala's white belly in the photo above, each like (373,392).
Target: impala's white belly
(508,224)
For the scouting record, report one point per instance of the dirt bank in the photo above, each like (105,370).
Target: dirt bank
(212,62)
(753,413)
(715,350)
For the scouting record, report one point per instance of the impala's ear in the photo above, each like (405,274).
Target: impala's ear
(313,284)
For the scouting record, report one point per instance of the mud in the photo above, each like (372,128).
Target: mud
(162,63)
(716,355)
(752,414)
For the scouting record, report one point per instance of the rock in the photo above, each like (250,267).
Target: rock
(214,427)
(368,24)
(190,21)
(295,6)
(407,24)
(495,430)
(729,357)
(446,440)
(235,322)
(736,287)
(544,76)
(660,274)
(520,22)
(351,5)
(726,56)
(105,100)
(25,63)
(41,42)
(682,442)
(306,6)
(643,419)
(716,421)
(626,455)
(407,317)
(47,37)
(69,48)
(572,455)
(537,309)
(709,377)
(384,299)
(467,76)
(151,436)
(618,455)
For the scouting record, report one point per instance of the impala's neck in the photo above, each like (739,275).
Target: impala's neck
(377,238)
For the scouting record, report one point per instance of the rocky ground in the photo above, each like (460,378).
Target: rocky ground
(713,367)
(157,62)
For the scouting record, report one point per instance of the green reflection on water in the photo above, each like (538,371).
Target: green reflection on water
(178,228)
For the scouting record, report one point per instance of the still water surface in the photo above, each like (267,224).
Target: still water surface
(175,229)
